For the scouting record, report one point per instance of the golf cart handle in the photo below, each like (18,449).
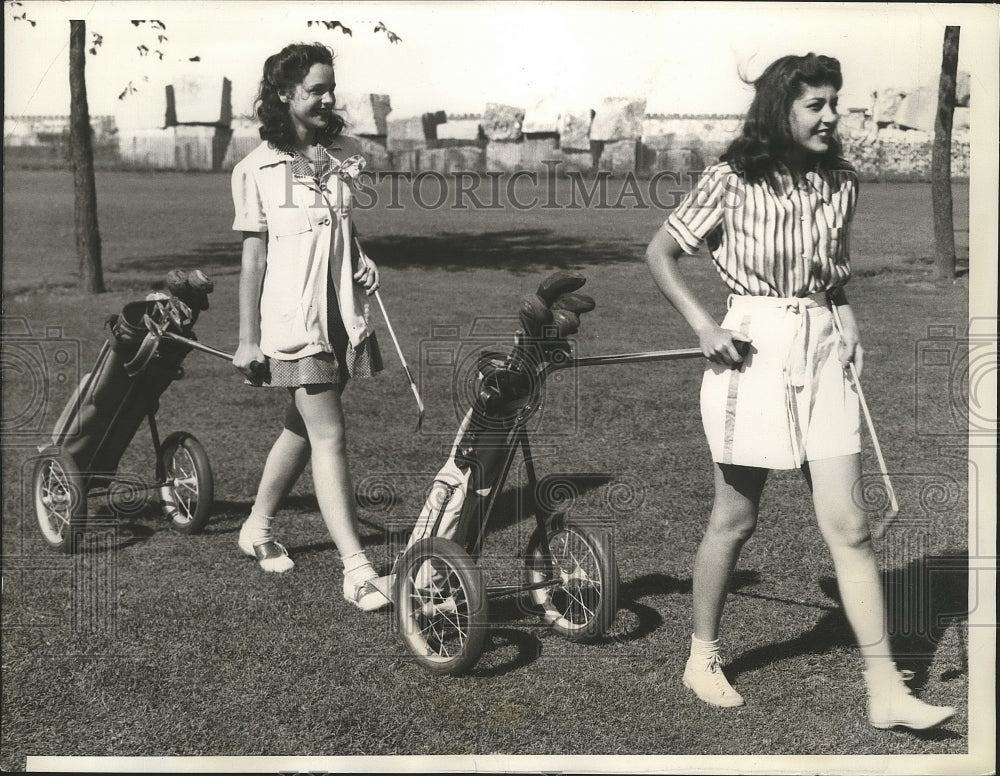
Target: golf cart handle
(159,331)
(198,346)
(622,358)
(255,367)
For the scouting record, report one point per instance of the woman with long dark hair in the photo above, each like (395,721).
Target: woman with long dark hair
(776,214)
(303,316)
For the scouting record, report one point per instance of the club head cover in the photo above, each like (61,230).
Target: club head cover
(559,283)
(575,303)
(201,286)
(535,315)
(200,282)
(566,322)
(177,282)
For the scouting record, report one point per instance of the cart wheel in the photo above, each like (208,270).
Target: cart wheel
(60,501)
(579,560)
(440,606)
(187,495)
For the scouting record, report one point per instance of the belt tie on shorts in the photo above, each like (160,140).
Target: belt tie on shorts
(797,361)
(795,368)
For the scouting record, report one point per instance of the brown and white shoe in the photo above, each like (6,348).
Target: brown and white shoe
(366,595)
(270,554)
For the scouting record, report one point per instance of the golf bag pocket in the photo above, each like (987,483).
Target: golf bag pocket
(443,508)
(102,416)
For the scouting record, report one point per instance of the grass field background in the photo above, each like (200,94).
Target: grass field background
(184,647)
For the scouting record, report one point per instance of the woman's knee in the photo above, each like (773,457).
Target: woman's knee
(321,417)
(847,528)
(328,436)
(737,496)
(733,523)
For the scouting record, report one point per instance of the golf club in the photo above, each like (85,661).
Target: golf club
(399,350)
(159,331)
(879,530)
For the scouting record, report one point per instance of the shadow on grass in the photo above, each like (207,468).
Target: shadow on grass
(228,516)
(647,619)
(517,251)
(923,599)
(214,258)
(506,650)
(129,533)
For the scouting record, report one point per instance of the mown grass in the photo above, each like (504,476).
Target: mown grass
(185,648)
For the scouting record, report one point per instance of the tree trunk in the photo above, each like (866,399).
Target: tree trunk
(81,152)
(944,225)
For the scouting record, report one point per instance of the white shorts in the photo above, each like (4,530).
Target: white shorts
(791,400)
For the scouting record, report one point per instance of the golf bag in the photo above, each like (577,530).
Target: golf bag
(477,455)
(508,389)
(108,406)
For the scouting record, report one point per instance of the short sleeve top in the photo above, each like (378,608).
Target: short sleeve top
(309,228)
(786,239)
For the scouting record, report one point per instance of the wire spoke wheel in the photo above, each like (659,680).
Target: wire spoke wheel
(60,501)
(188,490)
(578,561)
(440,606)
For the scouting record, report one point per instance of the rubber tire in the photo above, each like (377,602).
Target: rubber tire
(56,476)
(189,513)
(556,604)
(466,578)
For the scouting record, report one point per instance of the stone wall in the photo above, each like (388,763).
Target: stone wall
(897,156)
(679,144)
(632,143)
(618,138)
(183,125)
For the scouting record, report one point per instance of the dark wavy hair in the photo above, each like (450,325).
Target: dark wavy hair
(282,72)
(766,139)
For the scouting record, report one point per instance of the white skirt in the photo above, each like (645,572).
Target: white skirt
(791,400)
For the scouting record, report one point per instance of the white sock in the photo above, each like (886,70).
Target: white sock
(357,568)
(704,650)
(257,528)
(880,666)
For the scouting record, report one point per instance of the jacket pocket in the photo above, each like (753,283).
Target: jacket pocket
(288,221)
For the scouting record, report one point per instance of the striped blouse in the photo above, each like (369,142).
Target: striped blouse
(786,242)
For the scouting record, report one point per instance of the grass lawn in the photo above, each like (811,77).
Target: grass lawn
(156,643)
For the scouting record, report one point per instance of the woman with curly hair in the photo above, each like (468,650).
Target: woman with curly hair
(303,316)
(776,214)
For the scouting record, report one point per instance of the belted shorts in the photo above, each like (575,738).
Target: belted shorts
(791,400)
